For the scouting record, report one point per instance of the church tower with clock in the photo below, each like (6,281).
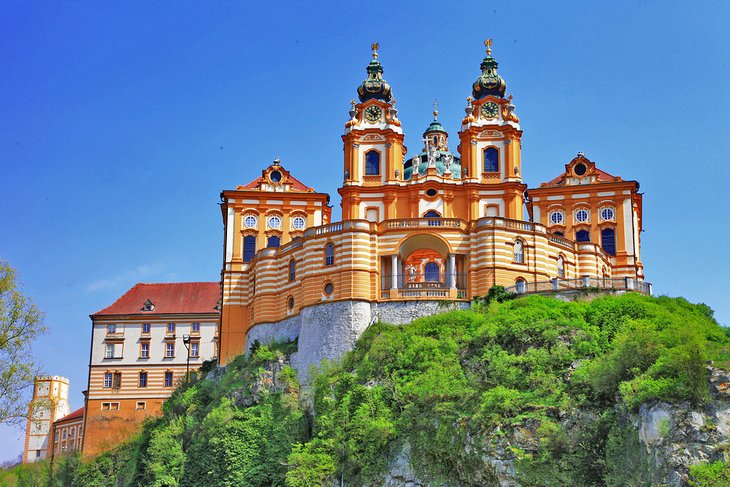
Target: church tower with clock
(491,141)
(373,148)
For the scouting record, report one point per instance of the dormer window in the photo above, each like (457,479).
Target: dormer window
(148,306)
(580,169)
(275,177)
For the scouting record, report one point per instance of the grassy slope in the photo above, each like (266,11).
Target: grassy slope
(442,384)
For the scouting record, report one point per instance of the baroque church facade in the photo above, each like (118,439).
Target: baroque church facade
(441,226)
(438,225)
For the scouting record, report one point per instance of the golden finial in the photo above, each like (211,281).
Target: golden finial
(488,45)
(435,108)
(468,100)
(375,46)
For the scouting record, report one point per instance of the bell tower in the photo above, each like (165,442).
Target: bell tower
(373,147)
(490,139)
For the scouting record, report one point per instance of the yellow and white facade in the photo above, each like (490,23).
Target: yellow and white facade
(439,225)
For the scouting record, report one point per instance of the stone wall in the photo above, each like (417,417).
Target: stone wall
(329,330)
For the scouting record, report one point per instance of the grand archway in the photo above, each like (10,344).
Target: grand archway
(424,266)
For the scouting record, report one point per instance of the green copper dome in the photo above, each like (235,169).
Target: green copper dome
(374,87)
(489,83)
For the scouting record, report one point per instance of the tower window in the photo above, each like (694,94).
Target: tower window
(107,379)
(168,378)
(491,160)
(143,379)
(608,241)
(292,270)
(432,272)
(430,192)
(329,254)
(372,163)
(519,252)
(249,247)
(582,236)
(290,302)
(273,241)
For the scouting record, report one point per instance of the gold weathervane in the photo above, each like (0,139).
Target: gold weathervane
(488,45)
(375,46)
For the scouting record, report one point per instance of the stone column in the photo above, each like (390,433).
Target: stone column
(451,271)
(394,271)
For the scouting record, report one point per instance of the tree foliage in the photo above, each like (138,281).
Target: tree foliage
(21,322)
(448,389)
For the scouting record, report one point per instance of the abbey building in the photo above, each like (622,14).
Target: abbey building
(444,222)
(439,224)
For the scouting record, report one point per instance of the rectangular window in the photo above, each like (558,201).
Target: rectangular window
(194,349)
(117,380)
(110,406)
(64,434)
(109,353)
(168,379)
(195,327)
(37,453)
(145,327)
(141,405)
(108,379)
(143,379)
(111,329)
(171,328)
(169,349)
(144,350)
(249,247)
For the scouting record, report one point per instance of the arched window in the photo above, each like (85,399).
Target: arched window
(273,241)
(582,236)
(519,252)
(372,163)
(432,272)
(491,160)
(292,270)
(608,241)
(561,266)
(433,214)
(249,247)
(329,254)
(520,286)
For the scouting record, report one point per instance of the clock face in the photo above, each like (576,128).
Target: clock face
(373,114)
(490,110)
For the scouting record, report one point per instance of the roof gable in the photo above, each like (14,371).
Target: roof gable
(167,298)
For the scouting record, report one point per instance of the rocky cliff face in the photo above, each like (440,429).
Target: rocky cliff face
(671,437)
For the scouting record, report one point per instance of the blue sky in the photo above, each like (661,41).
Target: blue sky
(121,122)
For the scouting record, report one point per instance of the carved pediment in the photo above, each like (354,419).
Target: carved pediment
(372,137)
(490,133)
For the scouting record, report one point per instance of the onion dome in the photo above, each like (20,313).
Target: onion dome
(435,153)
(375,87)
(489,83)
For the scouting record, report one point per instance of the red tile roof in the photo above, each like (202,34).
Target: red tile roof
(79,413)
(168,298)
